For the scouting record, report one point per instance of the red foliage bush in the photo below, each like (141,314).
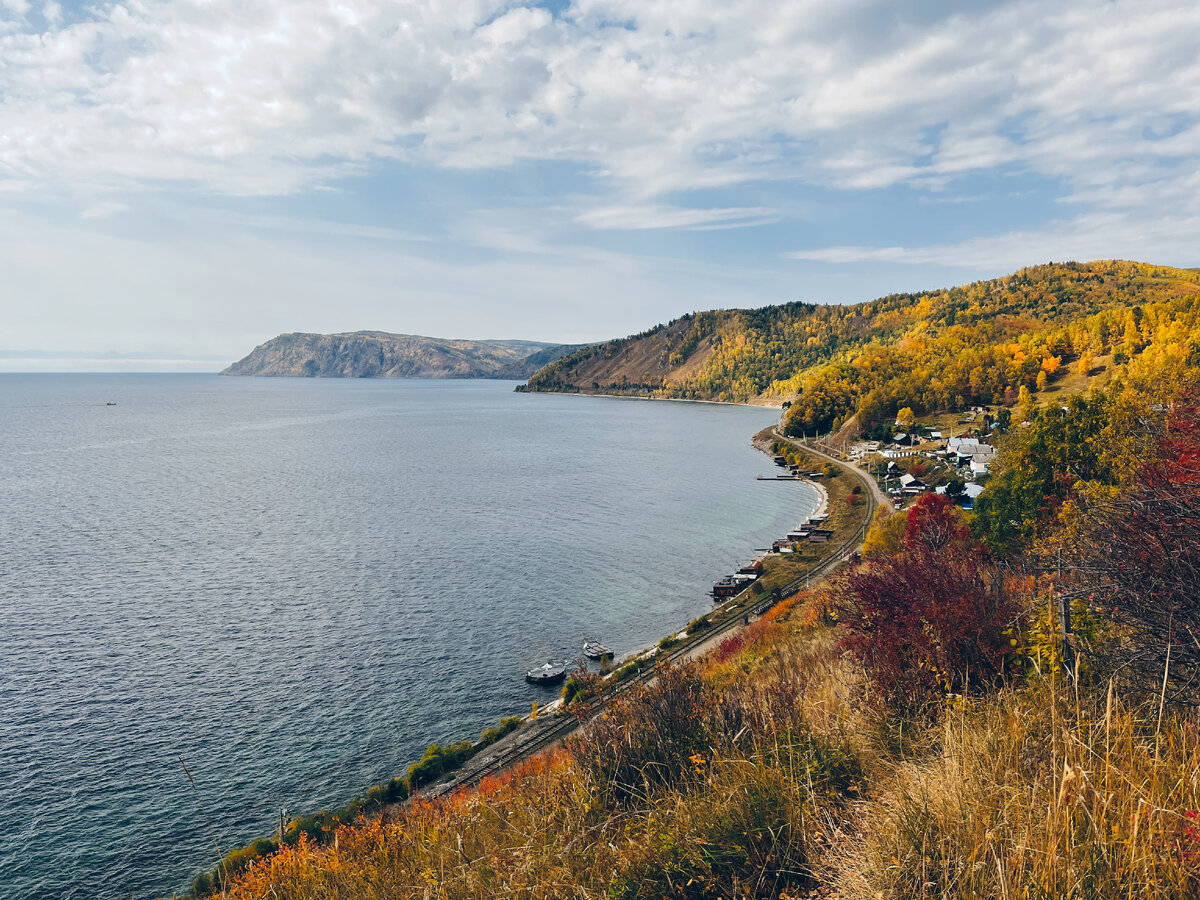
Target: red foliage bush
(728,647)
(1144,561)
(934,523)
(928,619)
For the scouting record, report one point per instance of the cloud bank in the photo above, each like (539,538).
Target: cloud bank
(277,96)
(535,163)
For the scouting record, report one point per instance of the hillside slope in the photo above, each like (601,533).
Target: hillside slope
(974,344)
(375,354)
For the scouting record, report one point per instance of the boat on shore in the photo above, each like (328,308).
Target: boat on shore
(595,650)
(547,673)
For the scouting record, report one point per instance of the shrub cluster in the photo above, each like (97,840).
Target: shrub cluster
(316,827)
(930,618)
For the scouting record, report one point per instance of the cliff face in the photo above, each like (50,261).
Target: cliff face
(375,354)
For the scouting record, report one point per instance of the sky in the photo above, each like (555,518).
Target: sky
(181,180)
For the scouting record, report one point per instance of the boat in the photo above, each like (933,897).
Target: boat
(727,587)
(548,673)
(595,650)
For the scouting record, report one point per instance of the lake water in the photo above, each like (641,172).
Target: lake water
(295,586)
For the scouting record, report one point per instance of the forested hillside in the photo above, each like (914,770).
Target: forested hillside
(993,704)
(975,344)
(1001,702)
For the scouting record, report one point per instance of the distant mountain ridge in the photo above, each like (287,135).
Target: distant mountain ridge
(1059,327)
(378,354)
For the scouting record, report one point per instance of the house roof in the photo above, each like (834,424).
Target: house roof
(974,448)
(971,489)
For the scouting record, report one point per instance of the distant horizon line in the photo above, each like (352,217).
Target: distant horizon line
(105,365)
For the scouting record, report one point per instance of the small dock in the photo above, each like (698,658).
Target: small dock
(780,478)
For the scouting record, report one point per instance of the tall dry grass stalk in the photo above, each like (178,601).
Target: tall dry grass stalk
(1033,794)
(683,790)
(773,772)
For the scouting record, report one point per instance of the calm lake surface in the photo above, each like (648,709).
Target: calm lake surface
(295,586)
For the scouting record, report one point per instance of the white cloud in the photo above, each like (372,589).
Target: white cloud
(239,282)
(104,210)
(1167,239)
(635,218)
(275,96)
(682,116)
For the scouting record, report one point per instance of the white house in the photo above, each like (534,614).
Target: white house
(973,449)
(979,463)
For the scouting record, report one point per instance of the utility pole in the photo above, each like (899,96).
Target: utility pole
(1064,618)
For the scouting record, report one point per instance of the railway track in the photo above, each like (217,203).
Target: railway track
(561,725)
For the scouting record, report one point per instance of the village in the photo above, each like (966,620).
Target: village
(950,455)
(925,459)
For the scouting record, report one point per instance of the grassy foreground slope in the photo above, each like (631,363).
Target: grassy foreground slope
(975,344)
(918,727)
(1003,703)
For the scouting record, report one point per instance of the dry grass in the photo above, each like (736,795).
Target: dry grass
(1034,794)
(771,771)
(708,783)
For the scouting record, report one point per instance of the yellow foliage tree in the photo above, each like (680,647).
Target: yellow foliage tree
(886,535)
(1024,404)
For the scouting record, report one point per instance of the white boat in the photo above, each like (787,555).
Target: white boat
(548,673)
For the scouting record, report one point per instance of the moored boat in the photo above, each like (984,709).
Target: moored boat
(548,673)
(727,587)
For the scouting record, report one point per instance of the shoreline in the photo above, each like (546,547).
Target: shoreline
(511,750)
(495,761)
(748,403)
(763,445)
(821,508)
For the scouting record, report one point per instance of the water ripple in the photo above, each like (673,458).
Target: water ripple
(295,586)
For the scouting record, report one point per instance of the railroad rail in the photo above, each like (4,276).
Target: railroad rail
(561,725)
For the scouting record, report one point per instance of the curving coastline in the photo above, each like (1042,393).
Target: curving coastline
(762,442)
(534,735)
(521,745)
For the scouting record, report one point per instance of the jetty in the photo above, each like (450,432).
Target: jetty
(596,650)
